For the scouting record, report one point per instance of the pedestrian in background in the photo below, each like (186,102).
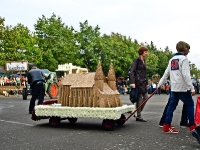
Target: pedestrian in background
(153,86)
(37,84)
(167,88)
(138,79)
(181,86)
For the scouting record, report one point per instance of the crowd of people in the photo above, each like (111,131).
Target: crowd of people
(13,81)
(123,85)
(163,89)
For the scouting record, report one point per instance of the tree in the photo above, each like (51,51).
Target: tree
(2,29)
(88,42)
(152,64)
(17,43)
(193,70)
(56,42)
(119,49)
(159,60)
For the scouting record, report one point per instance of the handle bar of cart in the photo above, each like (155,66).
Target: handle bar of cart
(140,106)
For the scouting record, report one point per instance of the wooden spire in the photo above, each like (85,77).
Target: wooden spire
(99,72)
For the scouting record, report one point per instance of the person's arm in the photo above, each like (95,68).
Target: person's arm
(29,78)
(132,73)
(44,76)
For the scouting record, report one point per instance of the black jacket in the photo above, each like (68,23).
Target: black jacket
(138,75)
(35,75)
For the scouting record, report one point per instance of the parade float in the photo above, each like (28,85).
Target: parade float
(86,95)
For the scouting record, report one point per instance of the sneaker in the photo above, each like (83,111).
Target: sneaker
(193,127)
(196,135)
(184,125)
(168,129)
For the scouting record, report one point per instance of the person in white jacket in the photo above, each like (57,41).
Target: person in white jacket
(178,70)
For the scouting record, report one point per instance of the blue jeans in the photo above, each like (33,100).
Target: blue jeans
(184,118)
(186,98)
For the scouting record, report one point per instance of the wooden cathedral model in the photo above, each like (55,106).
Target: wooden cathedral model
(90,89)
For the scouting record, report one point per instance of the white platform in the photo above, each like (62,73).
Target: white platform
(86,112)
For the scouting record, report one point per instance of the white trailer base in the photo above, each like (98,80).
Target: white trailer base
(56,113)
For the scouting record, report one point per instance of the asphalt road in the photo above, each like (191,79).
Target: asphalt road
(19,132)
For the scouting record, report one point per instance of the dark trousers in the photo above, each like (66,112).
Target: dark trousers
(38,91)
(184,118)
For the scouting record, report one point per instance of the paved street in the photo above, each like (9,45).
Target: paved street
(19,132)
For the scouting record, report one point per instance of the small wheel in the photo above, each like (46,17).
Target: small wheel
(54,121)
(72,120)
(108,124)
(121,120)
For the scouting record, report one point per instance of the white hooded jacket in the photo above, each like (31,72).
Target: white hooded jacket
(179,71)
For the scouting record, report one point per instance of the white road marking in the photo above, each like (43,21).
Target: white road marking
(6,106)
(13,122)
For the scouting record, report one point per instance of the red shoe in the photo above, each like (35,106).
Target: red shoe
(168,129)
(171,126)
(193,127)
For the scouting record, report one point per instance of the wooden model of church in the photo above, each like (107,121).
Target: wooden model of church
(90,89)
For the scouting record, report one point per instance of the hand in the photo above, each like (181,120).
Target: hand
(193,93)
(132,85)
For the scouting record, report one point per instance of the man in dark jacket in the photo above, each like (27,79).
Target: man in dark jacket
(37,83)
(138,79)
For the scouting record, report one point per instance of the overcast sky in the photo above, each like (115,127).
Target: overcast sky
(165,22)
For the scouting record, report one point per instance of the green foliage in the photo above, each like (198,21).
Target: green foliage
(17,43)
(194,71)
(119,49)
(88,42)
(152,64)
(54,43)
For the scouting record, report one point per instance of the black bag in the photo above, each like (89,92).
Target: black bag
(134,95)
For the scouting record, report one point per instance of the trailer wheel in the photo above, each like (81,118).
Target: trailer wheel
(121,120)
(24,95)
(72,120)
(54,121)
(108,124)
(53,90)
